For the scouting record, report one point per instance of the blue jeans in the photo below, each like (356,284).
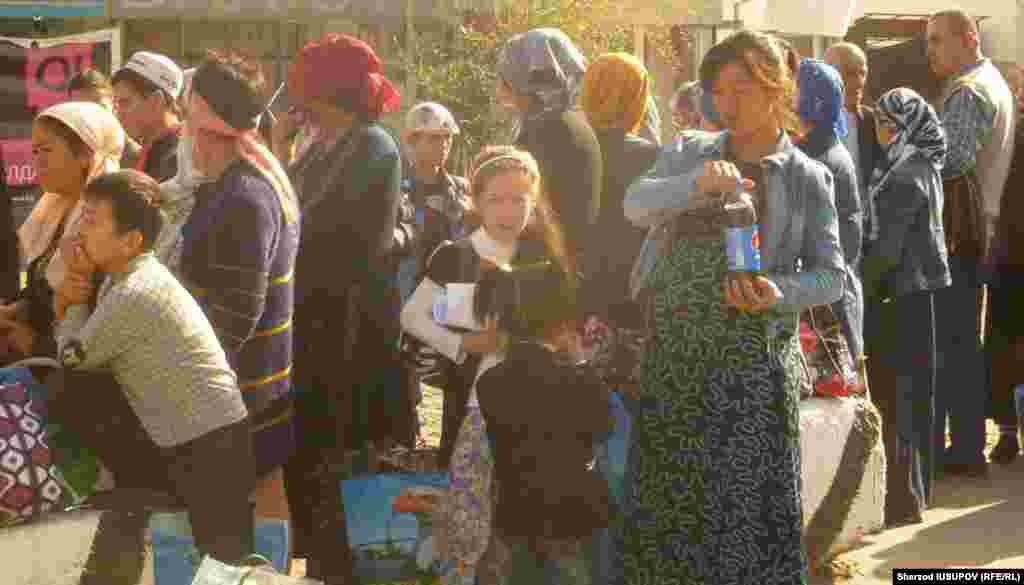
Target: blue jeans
(901,342)
(961,391)
(849,311)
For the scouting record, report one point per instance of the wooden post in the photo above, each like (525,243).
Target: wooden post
(640,42)
(410,54)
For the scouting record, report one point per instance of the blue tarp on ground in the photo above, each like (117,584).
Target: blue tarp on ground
(367,512)
(368,507)
(173,550)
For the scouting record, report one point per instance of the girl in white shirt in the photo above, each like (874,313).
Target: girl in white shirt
(517,228)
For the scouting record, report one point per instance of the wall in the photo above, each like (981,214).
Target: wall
(998,31)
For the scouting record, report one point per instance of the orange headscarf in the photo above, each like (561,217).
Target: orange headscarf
(615,92)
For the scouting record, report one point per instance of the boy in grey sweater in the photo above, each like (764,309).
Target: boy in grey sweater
(146,384)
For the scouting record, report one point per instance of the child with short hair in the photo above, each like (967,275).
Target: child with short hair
(543,411)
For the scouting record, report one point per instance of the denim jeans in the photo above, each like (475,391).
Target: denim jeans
(849,311)
(901,344)
(961,392)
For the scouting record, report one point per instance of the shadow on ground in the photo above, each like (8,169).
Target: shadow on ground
(973,522)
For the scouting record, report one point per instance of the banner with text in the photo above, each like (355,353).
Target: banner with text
(388,13)
(34,74)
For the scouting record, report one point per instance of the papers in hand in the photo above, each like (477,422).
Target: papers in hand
(214,572)
(453,306)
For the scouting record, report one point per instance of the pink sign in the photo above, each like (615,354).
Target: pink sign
(17,153)
(48,70)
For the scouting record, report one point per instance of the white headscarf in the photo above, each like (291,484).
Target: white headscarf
(102,133)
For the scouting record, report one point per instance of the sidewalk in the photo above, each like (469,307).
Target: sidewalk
(973,523)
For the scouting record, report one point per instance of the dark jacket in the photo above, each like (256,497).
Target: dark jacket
(611,256)
(827,150)
(870,151)
(569,156)
(540,453)
(10,264)
(161,159)
(459,262)
(345,299)
(429,215)
(132,152)
(1008,247)
(910,253)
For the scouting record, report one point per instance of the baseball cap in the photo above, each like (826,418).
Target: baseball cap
(158,70)
(430,117)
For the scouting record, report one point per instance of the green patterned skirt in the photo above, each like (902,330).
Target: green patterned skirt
(715,460)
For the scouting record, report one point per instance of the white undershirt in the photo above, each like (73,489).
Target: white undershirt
(852,142)
(417,315)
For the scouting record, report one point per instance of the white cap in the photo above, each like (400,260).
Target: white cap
(159,70)
(430,117)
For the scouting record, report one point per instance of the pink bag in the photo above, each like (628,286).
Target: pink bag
(29,484)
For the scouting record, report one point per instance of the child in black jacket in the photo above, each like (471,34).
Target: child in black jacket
(543,411)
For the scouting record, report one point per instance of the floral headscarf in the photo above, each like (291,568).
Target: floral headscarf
(545,66)
(821,97)
(919,132)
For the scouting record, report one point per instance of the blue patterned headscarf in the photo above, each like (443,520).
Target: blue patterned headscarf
(545,66)
(919,131)
(919,128)
(821,97)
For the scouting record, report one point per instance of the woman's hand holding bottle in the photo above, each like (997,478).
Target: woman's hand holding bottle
(751,295)
(721,177)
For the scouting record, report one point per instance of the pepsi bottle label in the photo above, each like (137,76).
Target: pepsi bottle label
(743,248)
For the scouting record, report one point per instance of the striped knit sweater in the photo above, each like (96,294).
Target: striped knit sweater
(150,333)
(238,257)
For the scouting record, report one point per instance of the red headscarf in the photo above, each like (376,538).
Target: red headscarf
(339,65)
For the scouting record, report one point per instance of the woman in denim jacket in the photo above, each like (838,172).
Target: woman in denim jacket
(905,260)
(715,463)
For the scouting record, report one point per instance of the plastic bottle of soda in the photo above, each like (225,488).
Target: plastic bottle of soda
(742,236)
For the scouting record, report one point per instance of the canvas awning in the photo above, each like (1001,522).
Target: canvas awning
(659,12)
(380,11)
(801,17)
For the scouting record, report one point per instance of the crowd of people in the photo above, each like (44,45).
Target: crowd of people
(239,301)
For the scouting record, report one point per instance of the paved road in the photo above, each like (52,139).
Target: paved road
(57,551)
(974,523)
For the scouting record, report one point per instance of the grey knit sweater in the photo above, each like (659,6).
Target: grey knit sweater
(151,334)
